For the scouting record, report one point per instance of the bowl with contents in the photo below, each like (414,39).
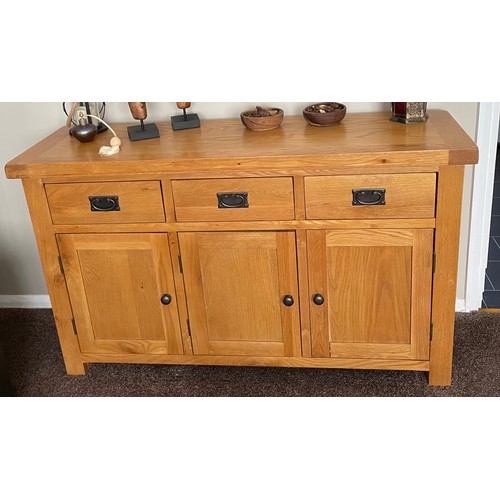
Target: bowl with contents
(324,114)
(262,118)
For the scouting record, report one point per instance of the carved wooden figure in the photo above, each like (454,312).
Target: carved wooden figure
(185,121)
(139,110)
(140,132)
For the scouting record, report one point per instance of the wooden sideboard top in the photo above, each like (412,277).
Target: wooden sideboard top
(361,138)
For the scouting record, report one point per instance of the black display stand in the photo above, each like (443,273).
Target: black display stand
(185,121)
(141,132)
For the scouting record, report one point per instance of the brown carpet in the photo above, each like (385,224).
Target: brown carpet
(35,368)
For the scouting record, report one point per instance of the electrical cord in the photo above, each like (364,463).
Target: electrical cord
(114,143)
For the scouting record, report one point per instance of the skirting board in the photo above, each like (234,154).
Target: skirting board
(25,301)
(43,302)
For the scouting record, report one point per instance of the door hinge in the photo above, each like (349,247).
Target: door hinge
(74,325)
(60,264)
(431,332)
(180,265)
(433,263)
(189,327)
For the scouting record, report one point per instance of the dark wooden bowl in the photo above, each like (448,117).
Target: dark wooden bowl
(324,119)
(260,123)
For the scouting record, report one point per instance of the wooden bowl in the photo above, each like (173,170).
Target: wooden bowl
(260,123)
(324,114)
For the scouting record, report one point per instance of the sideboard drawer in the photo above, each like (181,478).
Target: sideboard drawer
(233,199)
(370,196)
(105,202)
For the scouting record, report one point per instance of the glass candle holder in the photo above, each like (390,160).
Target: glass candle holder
(409,112)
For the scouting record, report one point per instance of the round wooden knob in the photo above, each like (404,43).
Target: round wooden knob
(183,105)
(115,141)
(139,110)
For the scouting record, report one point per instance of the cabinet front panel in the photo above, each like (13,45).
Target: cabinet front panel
(116,283)
(370,196)
(105,202)
(235,286)
(380,279)
(233,199)
(375,290)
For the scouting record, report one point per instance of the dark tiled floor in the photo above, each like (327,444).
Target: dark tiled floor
(491,295)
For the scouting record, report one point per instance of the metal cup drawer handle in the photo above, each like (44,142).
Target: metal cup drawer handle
(104,203)
(233,200)
(368,196)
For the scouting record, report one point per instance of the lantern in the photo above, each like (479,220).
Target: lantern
(82,109)
(409,112)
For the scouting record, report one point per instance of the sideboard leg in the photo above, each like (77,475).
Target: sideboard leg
(447,239)
(54,277)
(77,369)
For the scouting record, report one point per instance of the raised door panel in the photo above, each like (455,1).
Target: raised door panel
(116,283)
(376,291)
(235,285)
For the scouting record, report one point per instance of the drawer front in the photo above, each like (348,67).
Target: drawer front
(105,202)
(399,196)
(233,199)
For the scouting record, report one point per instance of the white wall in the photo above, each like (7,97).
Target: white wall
(22,124)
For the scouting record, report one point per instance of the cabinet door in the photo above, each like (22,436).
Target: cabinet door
(370,293)
(116,284)
(236,285)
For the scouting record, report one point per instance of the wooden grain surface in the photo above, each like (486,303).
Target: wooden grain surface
(138,202)
(360,139)
(376,285)
(54,276)
(406,196)
(196,200)
(238,360)
(115,283)
(264,260)
(235,284)
(446,247)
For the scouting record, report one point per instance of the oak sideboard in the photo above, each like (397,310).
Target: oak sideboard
(302,246)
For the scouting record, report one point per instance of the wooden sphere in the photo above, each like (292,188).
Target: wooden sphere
(115,141)
(183,105)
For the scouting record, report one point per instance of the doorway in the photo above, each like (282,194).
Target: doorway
(482,201)
(491,294)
